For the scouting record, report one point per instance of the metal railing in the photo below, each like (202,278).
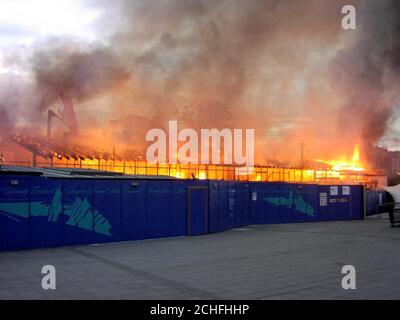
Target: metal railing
(201,171)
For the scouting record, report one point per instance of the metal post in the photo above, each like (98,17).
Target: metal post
(364,204)
(113,160)
(33,159)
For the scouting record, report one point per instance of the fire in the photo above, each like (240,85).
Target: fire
(51,154)
(356,154)
(202,175)
(343,164)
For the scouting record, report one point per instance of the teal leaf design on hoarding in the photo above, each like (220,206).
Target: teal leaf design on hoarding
(296,203)
(55,207)
(19,209)
(80,213)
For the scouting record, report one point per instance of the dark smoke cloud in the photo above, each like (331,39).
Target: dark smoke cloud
(55,67)
(260,64)
(213,49)
(226,63)
(366,71)
(77,71)
(18,104)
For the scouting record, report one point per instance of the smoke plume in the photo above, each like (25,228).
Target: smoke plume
(285,68)
(367,72)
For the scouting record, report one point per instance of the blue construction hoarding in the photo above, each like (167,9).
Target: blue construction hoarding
(285,203)
(36,211)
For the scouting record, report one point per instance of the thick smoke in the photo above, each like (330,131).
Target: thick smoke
(18,104)
(366,74)
(56,67)
(79,72)
(227,63)
(285,68)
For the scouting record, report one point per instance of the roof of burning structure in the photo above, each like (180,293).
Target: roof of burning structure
(76,173)
(50,149)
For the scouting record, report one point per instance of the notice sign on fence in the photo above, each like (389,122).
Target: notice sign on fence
(323,199)
(346,190)
(334,190)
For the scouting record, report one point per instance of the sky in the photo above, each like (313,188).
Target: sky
(23,22)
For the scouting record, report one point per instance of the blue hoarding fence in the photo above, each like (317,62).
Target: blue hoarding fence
(289,203)
(36,211)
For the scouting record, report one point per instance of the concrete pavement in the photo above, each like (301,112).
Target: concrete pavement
(287,261)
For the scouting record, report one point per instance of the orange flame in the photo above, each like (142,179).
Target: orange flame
(344,164)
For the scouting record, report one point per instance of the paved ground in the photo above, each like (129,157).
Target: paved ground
(290,261)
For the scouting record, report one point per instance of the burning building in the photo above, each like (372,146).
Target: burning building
(62,150)
(287,70)
(55,154)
